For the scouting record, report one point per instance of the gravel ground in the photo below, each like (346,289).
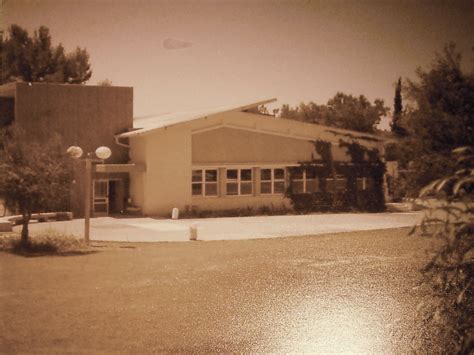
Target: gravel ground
(348,292)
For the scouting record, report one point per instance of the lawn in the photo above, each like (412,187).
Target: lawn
(352,292)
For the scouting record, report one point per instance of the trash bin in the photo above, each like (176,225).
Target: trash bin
(193,232)
(175,213)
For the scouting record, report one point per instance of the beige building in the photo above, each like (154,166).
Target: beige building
(225,158)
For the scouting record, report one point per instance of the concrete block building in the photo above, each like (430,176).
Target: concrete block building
(86,116)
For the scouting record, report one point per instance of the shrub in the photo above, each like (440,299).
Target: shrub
(449,274)
(237,212)
(48,242)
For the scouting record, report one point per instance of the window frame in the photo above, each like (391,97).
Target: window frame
(304,180)
(273,180)
(338,178)
(239,182)
(365,182)
(203,182)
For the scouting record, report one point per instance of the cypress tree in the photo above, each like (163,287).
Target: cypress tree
(397,111)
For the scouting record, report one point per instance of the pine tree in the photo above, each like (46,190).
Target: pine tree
(36,59)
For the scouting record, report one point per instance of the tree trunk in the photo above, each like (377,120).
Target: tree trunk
(24,230)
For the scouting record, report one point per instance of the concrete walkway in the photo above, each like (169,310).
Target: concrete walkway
(232,228)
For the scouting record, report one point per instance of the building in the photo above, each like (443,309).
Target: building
(226,158)
(218,159)
(86,116)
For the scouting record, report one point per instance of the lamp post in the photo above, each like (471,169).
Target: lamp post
(101,153)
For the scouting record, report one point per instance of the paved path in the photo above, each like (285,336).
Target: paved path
(232,228)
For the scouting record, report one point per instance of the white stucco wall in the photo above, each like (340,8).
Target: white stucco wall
(165,184)
(234,139)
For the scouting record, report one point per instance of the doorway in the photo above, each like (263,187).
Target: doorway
(101,198)
(108,196)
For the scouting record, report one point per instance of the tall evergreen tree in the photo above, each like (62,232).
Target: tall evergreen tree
(395,125)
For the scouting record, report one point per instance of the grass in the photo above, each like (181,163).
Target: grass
(49,242)
(299,294)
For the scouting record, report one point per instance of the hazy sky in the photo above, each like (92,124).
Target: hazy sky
(237,51)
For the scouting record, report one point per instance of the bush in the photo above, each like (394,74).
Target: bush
(449,274)
(237,212)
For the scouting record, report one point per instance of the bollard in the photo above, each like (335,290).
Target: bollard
(193,231)
(175,213)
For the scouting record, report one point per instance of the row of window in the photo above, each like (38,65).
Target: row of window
(240,182)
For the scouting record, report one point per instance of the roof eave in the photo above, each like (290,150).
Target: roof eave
(144,131)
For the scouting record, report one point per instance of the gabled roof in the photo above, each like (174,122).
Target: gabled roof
(148,124)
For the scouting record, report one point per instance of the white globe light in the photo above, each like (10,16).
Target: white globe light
(103,152)
(74,152)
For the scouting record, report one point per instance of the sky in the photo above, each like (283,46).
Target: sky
(179,55)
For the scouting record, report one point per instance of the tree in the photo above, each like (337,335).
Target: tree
(342,111)
(396,125)
(450,272)
(33,177)
(439,117)
(442,114)
(105,82)
(35,59)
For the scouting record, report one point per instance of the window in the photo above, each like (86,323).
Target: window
(304,181)
(204,182)
(272,181)
(341,183)
(364,183)
(239,182)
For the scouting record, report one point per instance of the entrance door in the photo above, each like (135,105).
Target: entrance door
(101,197)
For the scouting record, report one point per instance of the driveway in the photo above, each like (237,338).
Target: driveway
(147,229)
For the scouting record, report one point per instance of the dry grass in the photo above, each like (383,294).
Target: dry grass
(49,242)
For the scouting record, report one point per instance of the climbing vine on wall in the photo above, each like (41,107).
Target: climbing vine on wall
(363,177)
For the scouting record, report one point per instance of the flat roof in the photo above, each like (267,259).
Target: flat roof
(8,90)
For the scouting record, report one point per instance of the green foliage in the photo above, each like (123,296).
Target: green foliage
(397,102)
(396,124)
(442,114)
(324,150)
(49,242)
(342,111)
(365,163)
(35,59)
(439,116)
(450,272)
(33,177)
(237,212)
(105,82)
